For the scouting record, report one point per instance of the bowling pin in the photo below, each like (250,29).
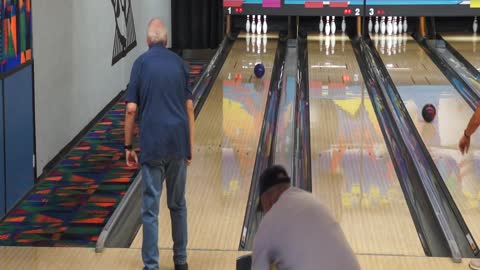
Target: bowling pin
(265,40)
(254,25)
(333,42)
(405,25)
(259,24)
(370,25)
(265,25)
(383,26)
(395,41)
(327,26)
(253,43)
(382,45)
(247,26)
(395,25)
(400,25)
(321,26)
(474,41)
(344,25)
(475,25)
(259,42)
(377,25)
(389,26)
(248,42)
(389,45)
(327,45)
(333,27)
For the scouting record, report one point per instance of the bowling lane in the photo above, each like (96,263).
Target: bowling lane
(420,82)
(455,63)
(226,138)
(467,46)
(351,168)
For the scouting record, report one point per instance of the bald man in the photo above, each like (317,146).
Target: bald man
(158,91)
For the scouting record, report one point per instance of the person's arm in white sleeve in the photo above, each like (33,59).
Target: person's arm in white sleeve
(261,251)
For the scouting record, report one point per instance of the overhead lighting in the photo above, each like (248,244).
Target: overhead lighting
(327,65)
(392,67)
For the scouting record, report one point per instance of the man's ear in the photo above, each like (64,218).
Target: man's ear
(266,203)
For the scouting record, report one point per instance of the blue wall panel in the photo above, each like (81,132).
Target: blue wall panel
(2,157)
(19,135)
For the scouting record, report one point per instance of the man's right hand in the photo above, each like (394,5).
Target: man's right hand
(191,127)
(464,144)
(189,160)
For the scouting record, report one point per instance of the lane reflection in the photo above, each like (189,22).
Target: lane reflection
(352,170)
(442,135)
(353,150)
(467,45)
(243,109)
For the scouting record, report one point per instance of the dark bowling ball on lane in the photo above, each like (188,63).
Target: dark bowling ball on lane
(259,70)
(429,112)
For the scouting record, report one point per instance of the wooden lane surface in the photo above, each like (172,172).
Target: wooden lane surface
(28,258)
(419,81)
(352,171)
(466,45)
(410,62)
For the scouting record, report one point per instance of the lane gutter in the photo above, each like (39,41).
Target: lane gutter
(266,145)
(455,79)
(302,168)
(438,232)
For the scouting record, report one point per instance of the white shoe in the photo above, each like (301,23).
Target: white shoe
(475,264)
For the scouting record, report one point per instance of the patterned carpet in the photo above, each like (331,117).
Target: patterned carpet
(71,205)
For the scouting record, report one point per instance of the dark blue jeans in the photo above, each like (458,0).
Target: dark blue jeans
(174,171)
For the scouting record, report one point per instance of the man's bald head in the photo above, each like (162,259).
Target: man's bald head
(157,33)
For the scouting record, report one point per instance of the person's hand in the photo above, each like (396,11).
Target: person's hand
(464,144)
(189,161)
(131,158)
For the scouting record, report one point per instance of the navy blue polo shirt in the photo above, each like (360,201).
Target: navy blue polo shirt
(159,86)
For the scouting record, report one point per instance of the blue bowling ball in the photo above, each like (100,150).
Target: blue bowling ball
(259,70)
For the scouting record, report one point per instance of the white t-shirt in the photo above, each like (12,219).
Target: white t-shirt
(299,233)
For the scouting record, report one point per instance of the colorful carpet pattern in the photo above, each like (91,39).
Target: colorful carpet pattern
(72,204)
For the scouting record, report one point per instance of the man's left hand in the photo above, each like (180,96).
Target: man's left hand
(131,158)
